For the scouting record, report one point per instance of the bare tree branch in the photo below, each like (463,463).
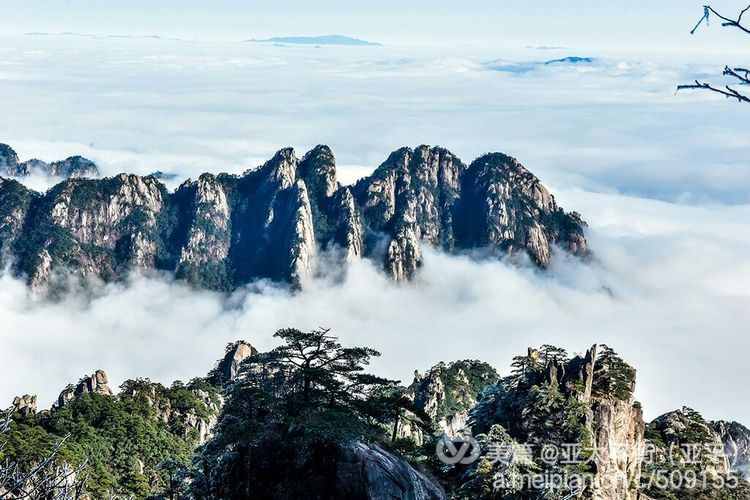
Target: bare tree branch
(742,75)
(731,22)
(727,91)
(48,479)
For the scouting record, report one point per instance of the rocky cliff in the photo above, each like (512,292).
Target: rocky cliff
(228,367)
(370,472)
(582,408)
(223,231)
(736,439)
(687,457)
(445,393)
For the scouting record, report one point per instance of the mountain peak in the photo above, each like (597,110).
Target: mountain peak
(316,40)
(223,231)
(96,383)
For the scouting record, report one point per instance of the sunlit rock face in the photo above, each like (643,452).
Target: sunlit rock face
(229,366)
(96,383)
(736,440)
(223,231)
(553,400)
(504,207)
(445,393)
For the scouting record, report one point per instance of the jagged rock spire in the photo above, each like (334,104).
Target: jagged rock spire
(96,383)
(229,366)
(26,405)
(223,231)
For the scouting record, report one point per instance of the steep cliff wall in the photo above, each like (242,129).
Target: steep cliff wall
(580,408)
(445,393)
(223,231)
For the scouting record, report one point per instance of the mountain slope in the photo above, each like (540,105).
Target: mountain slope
(250,430)
(223,231)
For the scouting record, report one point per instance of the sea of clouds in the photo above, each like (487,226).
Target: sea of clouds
(661,178)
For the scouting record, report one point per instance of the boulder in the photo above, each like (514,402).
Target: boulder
(25,405)
(96,383)
(369,472)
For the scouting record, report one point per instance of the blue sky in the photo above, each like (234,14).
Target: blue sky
(625,24)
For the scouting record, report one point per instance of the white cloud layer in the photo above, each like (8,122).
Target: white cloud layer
(189,107)
(668,289)
(663,180)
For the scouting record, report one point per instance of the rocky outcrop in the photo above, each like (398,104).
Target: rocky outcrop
(614,419)
(504,207)
(8,160)
(25,405)
(736,439)
(92,229)
(618,431)
(676,433)
(445,394)
(229,366)
(223,231)
(553,401)
(96,383)
(15,201)
(369,472)
(682,444)
(71,167)
(204,255)
(194,421)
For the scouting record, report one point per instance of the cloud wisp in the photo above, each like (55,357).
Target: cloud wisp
(187,107)
(645,294)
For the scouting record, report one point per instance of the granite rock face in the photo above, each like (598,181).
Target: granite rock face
(504,207)
(26,405)
(615,422)
(685,428)
(71,167)
(229,366)
(553,400)
(223,231)
(96,383)
(736,439)
(369,472)
(445,394)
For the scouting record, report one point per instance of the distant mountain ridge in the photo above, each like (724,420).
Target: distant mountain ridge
(96,36)
(523,67)
(316,40)
(71,167)
(223,231)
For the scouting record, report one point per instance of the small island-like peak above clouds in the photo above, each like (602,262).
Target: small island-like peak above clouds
(316,40)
